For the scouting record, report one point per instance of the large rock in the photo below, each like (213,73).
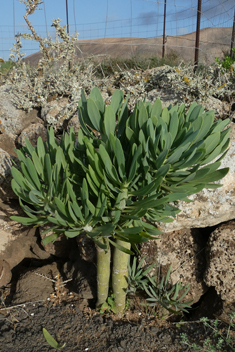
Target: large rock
(221,108)
(32,133)
(13,120)
(44,284)
(13,249)
(5,176)
(184,251)
(167,96)
(220,271)
(5,272)
(210,206)
(74,122)
(61,247)
(55,112)
(7,143)
(17,242)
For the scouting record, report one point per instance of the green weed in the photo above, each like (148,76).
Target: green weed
(219,342)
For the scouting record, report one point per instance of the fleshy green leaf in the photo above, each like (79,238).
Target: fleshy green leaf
(143,116)
(97,98)
(52,342)
(116,101)
(50,238)
(33,173)
(173,125)
(109,120)
(122,118)
(121,248)
(41,151)
(157,108)
(26,221)
(94,115)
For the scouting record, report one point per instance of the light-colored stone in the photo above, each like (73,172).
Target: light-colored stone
(15,248)
(210,207)
(7,143)
(5,238)
(5,273)
(5,176)
(220,271)
(221,108)
(55,112)
(13,120)
(32,132)
(74,122)
(167,96)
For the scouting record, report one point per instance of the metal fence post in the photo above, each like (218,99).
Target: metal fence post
(199,8)
(67,16)
(232,39)
(164,31)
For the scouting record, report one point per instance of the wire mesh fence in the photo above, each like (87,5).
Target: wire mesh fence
(146,31)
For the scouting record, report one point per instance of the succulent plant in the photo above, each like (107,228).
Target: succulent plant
(124,174)
(147,159)
(168,297)
(137,276)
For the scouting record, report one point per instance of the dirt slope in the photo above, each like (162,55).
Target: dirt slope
(213,41)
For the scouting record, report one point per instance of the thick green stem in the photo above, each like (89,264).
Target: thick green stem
(103,275)
(119,274)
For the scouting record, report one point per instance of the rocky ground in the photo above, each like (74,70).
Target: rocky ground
(21,330)
(39,297)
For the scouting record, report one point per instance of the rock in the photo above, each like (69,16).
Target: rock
(7,143)
(5,273)
(221,108)
(6,237)
(16,248)
(84,276)
(87,249)
(23,246)
(184,251)
(61,247)
(220,271)
(44,280)
(32,132)
(106,96)
(232,115)
(167,96)
(228,309)
(171,97)
(210,207)
(13,120)
(55,112)
(74,122)
(5,176)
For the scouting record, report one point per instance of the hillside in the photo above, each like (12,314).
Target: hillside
(213,42)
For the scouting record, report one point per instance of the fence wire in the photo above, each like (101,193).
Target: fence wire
(141,32)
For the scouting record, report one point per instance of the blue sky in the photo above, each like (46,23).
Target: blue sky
(110,18)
